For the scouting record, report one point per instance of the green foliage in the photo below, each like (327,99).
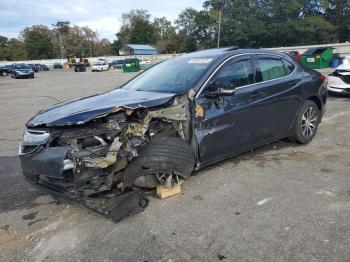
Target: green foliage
(12,50)
(37,40)
(136,29)
(252,23)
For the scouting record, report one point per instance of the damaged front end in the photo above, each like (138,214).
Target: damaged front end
(89,161)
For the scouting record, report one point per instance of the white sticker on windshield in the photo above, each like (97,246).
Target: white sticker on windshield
(200,61)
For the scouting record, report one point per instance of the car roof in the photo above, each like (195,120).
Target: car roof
(222,53)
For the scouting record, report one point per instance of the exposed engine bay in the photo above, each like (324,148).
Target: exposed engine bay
(97,154)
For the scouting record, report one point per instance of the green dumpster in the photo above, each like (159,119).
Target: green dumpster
(131,65)
(317,58)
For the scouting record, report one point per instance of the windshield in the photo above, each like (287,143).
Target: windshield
(98,63)
(171,76)
(21,66)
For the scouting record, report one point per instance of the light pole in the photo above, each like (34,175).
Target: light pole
(61,47)
(219,28)
(90,47)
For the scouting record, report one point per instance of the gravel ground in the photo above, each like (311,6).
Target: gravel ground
(282,202)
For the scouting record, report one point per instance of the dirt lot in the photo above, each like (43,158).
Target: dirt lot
(282,202)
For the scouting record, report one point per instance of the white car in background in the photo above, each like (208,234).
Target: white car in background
(100,66)
(339,80)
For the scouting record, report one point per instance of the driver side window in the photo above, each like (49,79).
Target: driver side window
(235,74)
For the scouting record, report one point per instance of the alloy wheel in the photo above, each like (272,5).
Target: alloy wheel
(309,122)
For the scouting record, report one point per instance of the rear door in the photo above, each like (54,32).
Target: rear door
(282,88)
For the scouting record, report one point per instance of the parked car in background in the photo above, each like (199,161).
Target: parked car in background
(42,67)
(79,67)
(57,66)
(116,64)
(99,66)
(35,68)
(178,116)
(21,71)
(9,68)
(4,71)
(295,55)
(339,80)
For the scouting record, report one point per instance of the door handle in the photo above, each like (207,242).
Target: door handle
(293,82)
(256,95)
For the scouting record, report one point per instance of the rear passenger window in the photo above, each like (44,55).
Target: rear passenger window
(271,68)
(288,66)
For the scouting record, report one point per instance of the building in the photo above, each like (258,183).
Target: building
(129,49)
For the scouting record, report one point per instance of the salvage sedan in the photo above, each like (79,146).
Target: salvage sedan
(107,150)
(339,80)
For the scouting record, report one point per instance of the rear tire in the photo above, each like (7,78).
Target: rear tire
(168,160)
(306,123)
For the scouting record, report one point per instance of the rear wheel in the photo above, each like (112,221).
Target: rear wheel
(306,124)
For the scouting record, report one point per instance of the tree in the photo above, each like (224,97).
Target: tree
(136,29)
(60,32)
(338,13)
(16,50)
(104,47)
(193,29)
(37,40)
(163,28)
(167,41)
(3,47)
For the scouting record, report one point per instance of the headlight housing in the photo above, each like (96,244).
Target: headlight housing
(31,141)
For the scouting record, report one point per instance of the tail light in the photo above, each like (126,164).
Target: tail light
(324,79)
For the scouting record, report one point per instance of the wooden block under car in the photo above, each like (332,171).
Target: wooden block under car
(164,192)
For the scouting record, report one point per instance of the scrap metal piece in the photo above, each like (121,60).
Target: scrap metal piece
(100,162)
(130,203)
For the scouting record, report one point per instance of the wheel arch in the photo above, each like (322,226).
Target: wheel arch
(317,101)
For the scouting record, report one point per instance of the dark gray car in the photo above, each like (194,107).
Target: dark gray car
(21,71)
(182,114)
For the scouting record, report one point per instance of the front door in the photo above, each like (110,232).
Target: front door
(230,124)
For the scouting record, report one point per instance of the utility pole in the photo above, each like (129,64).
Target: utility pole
(219,28)
(61,47)
(90,47)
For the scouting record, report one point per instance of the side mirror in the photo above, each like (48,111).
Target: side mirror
(219,89)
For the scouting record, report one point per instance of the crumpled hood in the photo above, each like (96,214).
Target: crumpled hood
(79,111)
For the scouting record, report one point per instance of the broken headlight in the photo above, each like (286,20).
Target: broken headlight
(32,140)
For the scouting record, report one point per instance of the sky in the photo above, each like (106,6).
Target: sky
(101,15)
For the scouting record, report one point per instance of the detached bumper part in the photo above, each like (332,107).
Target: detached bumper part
(118,207)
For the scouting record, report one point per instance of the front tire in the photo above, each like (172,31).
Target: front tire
(306,123)
(166,161)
